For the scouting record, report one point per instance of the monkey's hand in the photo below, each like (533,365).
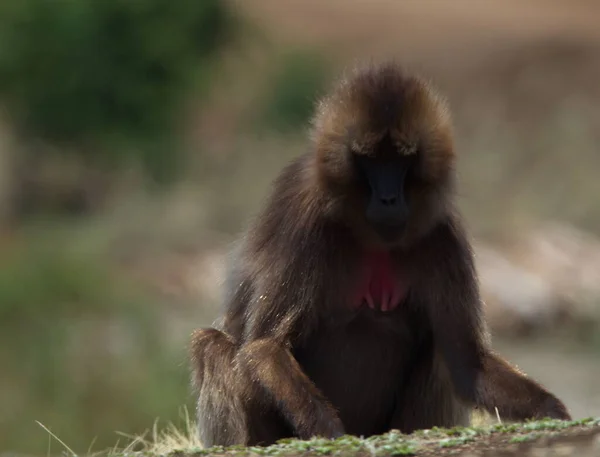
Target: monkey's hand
(325,424)
(516,397)
(551,407)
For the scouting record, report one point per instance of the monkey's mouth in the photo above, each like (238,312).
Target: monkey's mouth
(389,231)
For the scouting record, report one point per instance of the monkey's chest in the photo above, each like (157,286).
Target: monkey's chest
(359,368)
(379,283)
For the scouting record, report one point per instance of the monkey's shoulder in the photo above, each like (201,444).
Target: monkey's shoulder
(293,220)
(448,238)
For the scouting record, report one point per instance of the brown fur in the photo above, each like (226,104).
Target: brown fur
(291,358)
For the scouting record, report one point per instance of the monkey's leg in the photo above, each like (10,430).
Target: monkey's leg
(273,366)
(428,399)
(231,410)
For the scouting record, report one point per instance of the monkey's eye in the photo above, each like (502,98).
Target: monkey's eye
(361,163)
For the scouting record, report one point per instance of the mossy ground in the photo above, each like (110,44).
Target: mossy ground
(539,438)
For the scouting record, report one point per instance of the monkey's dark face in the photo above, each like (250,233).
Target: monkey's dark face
(385,153)
(385,176)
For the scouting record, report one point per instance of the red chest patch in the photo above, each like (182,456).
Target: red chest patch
(381,285)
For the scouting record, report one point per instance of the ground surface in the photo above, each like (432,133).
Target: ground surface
(539,439)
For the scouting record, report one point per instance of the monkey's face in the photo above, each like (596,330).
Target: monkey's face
(384,177)
(384,153)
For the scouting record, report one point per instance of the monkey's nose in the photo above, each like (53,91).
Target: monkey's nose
(389,200)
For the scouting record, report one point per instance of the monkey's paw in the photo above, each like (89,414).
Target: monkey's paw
(326,425)
(332,429)
(552,408)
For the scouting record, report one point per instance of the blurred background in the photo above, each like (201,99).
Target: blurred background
(138,138)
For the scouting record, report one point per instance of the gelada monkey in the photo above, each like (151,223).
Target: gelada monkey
(352,304)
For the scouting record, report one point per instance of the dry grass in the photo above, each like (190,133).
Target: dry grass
(155,441)
(164,441)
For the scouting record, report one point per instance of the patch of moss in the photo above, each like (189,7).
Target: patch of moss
(525,438)
(543,425)
(393,443)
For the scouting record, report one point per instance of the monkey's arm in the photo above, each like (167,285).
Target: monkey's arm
(479,376)
(279,314)
(267,358)
(272,365)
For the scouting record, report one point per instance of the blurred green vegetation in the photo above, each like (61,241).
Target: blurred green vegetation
(83,350)
(109,76)
(291,92)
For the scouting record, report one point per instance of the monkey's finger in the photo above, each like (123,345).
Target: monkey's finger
(385,301)
(395,301)
(370,301)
